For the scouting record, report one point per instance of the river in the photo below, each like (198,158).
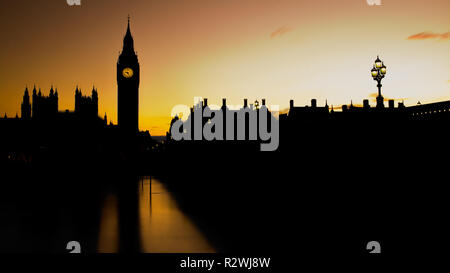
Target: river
(162,225)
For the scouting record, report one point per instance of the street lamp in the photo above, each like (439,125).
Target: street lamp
(378,72)
(256,104)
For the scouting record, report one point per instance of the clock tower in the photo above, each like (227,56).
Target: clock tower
(128,86)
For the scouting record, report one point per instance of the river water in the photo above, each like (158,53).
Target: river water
(162,225)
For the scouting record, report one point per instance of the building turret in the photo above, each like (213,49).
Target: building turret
(35,98)
(26,106)
(86,106)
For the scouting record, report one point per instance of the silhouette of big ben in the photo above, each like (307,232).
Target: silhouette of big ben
(128,86)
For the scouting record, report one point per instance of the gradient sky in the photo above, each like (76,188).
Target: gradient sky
(273,49)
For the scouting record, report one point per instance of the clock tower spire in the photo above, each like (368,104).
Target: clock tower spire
(128,42)
(128,86)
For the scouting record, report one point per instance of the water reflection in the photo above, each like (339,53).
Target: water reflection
(109,226)
(162,226)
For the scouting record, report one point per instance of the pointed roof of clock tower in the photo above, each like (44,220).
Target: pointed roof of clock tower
(128,42)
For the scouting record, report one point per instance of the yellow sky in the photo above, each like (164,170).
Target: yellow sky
(273,49)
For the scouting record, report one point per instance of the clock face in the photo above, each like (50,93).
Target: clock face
(127,72)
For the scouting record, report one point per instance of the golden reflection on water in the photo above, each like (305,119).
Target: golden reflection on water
(163,227)
(109,226)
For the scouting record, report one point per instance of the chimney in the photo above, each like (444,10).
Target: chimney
(205,102)
(224,102)
(245,103)
(313,103)
(291,104)
(366,104)
(391,104)
(263,101)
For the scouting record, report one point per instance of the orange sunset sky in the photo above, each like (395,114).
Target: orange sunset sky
(234,49)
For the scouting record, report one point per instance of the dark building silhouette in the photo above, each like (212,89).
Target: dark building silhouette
(315,113)
(308,112)
(26,105)
(128,86)
(431,111)
(300,126)
(86,106)
(355,126)
(44,107)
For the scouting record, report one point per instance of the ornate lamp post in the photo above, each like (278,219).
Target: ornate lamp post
(378,72)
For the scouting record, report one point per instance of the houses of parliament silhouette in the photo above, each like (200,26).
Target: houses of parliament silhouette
(42,126)
(42,121)
(43,107)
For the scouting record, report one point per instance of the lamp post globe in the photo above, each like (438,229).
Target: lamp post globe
(383,69)
(374,72)
(378,62)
